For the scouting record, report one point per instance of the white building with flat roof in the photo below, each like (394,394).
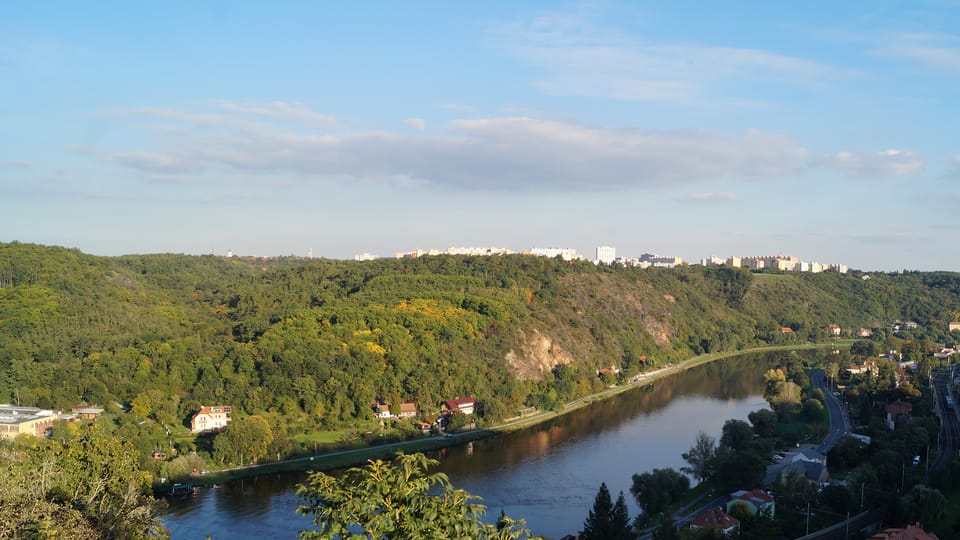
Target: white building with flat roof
(567,254)
(606,254)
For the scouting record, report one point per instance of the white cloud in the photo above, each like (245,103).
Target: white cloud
(935,50)
(885,164)
(712,197)
(18,163)
(953,167)
(280,110)
(418,124)
(515,154)
(579,58)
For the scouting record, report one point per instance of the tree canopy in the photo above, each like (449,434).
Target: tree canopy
(397,499)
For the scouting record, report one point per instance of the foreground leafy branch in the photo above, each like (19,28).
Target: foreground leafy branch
(395,500)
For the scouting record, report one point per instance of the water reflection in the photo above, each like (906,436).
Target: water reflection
(548,474)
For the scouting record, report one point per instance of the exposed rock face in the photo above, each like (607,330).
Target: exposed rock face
(538,354)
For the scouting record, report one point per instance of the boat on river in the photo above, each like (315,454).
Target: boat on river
(182,491)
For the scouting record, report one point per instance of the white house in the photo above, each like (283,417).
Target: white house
(214,417)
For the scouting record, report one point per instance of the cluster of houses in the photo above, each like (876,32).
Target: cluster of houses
(408,410)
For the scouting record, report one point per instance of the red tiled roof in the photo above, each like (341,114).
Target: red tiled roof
(910,532)
(899,407)
(753,495)
(715,518)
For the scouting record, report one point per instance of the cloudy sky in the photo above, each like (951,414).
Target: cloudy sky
(824,130)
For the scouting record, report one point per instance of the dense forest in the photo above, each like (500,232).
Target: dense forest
(314,342)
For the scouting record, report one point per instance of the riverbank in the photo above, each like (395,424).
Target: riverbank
(351,457)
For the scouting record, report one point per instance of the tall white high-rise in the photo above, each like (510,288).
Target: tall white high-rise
(606,254)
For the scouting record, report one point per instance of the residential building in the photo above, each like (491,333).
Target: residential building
(381,410)
(408,409)
(660,261)
(16,421)
(84,411)
(813,471)
(716,518)
(756,501)
(462,405)
(910,532)
(211,418)
(868,365)
(864,332)
(606,254)
(898,412)
(567,254)
(808,453)
(834,329)
(953,326)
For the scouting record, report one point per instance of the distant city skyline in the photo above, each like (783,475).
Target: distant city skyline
(824,130)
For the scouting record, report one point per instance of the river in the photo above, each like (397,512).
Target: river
(548,474)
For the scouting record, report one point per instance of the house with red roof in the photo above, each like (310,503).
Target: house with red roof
(716,518)
(462,405)
(834,329)
(408,409)
(211,418)
(898,411)
(756,501)
(910,532)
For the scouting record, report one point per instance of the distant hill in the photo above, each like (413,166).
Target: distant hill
(320,339)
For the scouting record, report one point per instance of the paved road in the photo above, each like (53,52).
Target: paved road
(839,417)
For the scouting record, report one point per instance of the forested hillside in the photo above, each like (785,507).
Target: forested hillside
(317,340)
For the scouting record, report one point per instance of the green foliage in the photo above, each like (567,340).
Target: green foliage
(396,500)
(737,435)
(700,457)
(244,440)
(764,422)
(316,341)
(656,490)
(85,486)
(606,520)
(924,505)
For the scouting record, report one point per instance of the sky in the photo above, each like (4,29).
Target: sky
(823,130)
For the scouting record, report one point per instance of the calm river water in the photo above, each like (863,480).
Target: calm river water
(548,474)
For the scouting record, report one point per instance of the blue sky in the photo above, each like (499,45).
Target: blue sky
(824,130)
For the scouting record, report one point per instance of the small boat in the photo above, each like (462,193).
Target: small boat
(183,491)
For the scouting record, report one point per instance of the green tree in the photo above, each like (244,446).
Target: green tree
(245,439)
(737,435)
(656,490)
(599,520)
(396,500)
(925,505)
(89,486)
(764,422)
(606,520)
(700,457)
(620,520)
